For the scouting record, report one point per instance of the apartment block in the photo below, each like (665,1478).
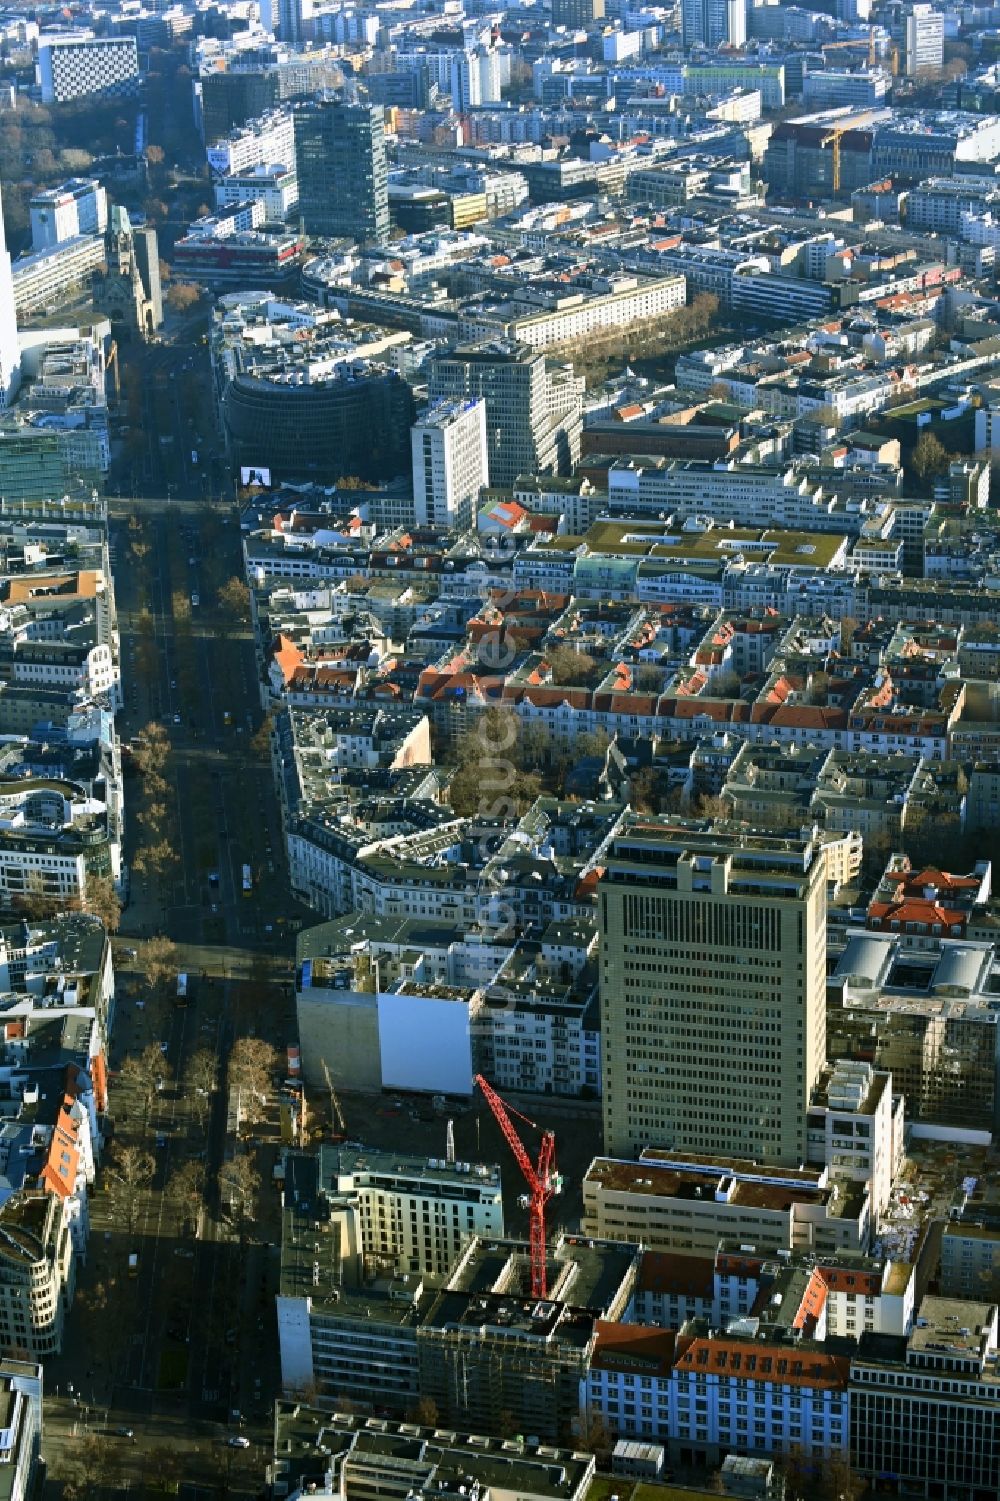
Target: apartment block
(37,1272)
(846,1292)
(268,139)
(397,1212)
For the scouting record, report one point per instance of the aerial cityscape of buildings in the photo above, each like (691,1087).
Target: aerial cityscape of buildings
(499,750)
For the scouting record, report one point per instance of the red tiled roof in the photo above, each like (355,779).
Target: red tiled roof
(754,1362)
(287,657)
(674,1272)
(633,1347)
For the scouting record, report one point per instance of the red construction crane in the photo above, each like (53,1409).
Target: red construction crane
(543,1181)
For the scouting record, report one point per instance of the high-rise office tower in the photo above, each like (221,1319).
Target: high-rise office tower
(295,21)
(713,23)
(533,409)
(449,463)
(343,176)
(713,989)
(10,355)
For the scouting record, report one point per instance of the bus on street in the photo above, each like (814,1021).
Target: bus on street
(247,880)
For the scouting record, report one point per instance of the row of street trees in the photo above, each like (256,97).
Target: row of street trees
(155,855)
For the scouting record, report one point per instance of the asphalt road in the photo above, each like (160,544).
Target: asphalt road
(191,1339)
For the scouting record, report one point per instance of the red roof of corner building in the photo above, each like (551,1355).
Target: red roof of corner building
(586,886)
(922,911)
(507,512)
(637,1348)
(839,1280)
(812,1304)
(919,880)
(63,1159)
(99,1075)
(287,657)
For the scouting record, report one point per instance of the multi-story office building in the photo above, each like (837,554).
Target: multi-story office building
(925,1415)
(940,203)
(577,13)
(37,1272)
(343,177)
(346,423)
(38,461)
(78,207)
(322,1454)
(669,1203)
(78,66)
(713,975)
(921,30)
(20,1428)
(970,1254)
(713,23)
(838,87)
(10,357)
(227,98)
(856,1128)
(533,410)
(54,218)
(450,464)
(926,1016)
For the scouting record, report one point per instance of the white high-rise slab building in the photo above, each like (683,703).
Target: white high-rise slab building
(450,463)
(10,356)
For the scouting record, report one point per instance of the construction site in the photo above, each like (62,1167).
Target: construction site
(400,1283)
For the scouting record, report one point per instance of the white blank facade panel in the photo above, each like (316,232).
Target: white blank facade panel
(425,1043)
